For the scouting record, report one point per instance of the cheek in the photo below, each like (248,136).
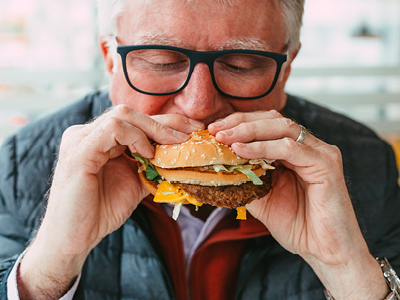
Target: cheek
(122,93)
(275,100)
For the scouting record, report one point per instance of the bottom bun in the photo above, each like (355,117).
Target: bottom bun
(150,185)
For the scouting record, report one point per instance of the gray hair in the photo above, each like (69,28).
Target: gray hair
(292,10)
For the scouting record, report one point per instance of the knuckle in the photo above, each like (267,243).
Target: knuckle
(69,131)
(243,126)
(290,124)
(335,154)
(247,127)
(112,123)
(275,114)
(261,147)
(290,144)
(176,121)
(237,117)
(122,109)
(72,136)
(157,127)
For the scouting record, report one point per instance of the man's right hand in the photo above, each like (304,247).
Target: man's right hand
(95,189)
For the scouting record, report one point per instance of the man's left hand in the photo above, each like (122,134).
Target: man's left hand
(308,210)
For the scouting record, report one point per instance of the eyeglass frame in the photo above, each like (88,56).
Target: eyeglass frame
(207,57)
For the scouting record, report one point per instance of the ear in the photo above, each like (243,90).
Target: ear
(107,55)
(288,65)
(283,77)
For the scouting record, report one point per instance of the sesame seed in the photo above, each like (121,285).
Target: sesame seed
(187,157)
(193,150)
(165,152)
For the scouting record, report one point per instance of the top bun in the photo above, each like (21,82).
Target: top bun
(202,149)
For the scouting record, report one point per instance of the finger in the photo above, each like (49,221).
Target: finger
(113,133)
(292,154)
(158,132)
(237,118)
(92,151)
(72,130)
(109,140)
(117,151)
(179,122)
(264,130)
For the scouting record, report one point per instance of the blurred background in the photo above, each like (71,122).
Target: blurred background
(349,61)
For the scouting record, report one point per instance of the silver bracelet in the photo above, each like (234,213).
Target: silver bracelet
(391,277)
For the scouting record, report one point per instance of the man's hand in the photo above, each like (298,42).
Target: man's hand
(308,211)
(94,190)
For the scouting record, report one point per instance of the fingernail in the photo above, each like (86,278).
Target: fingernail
(219,124)
(149,152)
(180,135)
(152,151)
(132,149)
(197,124)
(228,132)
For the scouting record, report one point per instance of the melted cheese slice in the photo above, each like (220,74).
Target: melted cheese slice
(170,193)
(241,213)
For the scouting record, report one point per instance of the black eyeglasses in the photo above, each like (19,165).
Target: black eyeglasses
(165,70)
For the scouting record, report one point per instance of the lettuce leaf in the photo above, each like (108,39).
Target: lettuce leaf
(245,169)
(151,172)
(177,209)
(249,173)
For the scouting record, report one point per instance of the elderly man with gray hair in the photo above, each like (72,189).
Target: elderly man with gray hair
(76,222)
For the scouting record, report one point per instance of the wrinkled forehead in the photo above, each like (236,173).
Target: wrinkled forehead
(203,24)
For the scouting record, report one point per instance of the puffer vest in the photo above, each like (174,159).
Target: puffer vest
(144,258)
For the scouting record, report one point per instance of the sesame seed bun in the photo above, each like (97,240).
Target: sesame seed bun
(202,149)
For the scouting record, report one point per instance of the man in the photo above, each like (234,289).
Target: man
(101,238)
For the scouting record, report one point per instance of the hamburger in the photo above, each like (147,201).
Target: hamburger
(204,171)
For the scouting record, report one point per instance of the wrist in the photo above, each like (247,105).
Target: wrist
(44,274)
(357,278)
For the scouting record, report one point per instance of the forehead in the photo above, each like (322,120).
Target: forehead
(207,25)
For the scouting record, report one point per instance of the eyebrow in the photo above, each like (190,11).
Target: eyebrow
(158,39)
(246,43)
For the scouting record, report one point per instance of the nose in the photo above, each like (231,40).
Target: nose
(199,99)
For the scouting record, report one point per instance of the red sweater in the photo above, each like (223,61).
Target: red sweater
(214,268)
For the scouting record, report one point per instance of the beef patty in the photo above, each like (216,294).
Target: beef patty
(231,196)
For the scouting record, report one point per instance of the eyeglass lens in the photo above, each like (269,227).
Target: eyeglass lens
(161,71)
